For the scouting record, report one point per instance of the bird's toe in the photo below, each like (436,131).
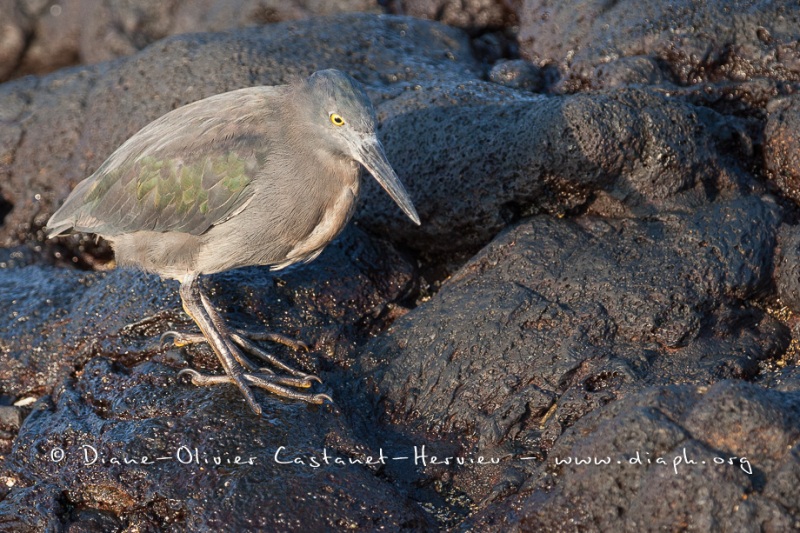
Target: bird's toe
(319,399)
(178,339)
(193,374)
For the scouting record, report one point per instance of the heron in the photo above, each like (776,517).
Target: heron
(264,175)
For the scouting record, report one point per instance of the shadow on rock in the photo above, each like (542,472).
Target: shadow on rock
(477,157)
(92,338)
(557,318)
(655,458)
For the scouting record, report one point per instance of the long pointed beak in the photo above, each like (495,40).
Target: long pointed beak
(370,154)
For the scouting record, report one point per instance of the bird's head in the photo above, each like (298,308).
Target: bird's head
(345,122)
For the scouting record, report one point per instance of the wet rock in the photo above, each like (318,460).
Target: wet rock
(721,457)
(698,41)
(787,267)
(62,318)
(556,318)
(92,439)
(42,118)
(87,344)
(60,128)
(42,36)
(492,155)
(31,509)
(59,318)
(782,145)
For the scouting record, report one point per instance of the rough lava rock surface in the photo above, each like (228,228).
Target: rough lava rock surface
(604,288)
(576,314)
(733,445)
(91,340)
(551,154)
(41,36)
(693,41)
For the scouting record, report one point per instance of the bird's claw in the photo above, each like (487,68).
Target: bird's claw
(300,345)
(178,339)
(278,385)
(166,340)
(320,399)
(246,375)
(189,372)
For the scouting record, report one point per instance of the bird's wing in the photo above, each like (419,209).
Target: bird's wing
(184,172)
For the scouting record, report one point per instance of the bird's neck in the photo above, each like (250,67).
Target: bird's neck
(309,157)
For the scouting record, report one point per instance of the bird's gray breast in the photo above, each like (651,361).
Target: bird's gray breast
(335,216)
(295,211)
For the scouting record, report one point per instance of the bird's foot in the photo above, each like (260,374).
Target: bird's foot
(184,339)
(230,344)
(278,385)
(244,340)
(265,378)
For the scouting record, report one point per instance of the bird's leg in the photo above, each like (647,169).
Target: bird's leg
(224,341)
(192,303)
(243,339)
(268,381)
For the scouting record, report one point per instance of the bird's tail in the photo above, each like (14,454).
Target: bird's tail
(64,219)
(56,228)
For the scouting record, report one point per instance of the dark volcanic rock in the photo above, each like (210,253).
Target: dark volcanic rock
(556,318)
(112,413)
(41,122)
(13,31)
(31,509)
(117,28)
(95,336)
(627,71)
(476,157)
(60,128)
(782,145)
(697,40)
(719,458)
(787,268)
(473,15)
(38,37)
(517,74)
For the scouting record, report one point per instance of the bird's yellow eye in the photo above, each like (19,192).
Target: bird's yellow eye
(337,119)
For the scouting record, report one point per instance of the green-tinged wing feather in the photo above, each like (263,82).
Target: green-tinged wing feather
(184,172)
